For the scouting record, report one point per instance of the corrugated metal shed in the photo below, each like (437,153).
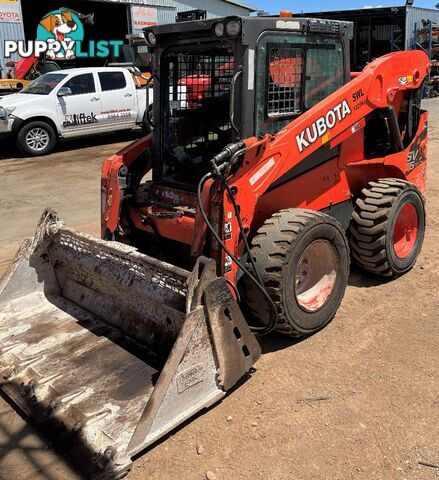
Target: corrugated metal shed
(168,9)
(146,3)
(10,31)
(166,12)
(202,4)
(380,30)
(414,19)
(214,8)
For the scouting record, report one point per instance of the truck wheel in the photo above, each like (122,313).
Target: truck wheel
(303,259)
(147,121)
(388,227)
(36,138)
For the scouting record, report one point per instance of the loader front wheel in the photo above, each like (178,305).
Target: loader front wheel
(302,257)
(388,225)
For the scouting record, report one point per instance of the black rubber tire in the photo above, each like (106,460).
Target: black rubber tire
(277,248)
(147,124)
(21,139)
(373,224)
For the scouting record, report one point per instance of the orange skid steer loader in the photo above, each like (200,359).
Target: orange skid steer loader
(269,167)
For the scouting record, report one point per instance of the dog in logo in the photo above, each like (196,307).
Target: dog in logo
(60,25)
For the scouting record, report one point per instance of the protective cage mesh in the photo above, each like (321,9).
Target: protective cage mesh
(284,93)
(198,105)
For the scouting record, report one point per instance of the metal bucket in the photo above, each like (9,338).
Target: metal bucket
(108,349)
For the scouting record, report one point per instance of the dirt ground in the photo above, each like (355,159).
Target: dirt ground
(359,400)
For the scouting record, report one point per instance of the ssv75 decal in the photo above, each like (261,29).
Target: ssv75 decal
(321,126)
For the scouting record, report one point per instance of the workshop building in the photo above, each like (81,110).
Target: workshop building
(113,19)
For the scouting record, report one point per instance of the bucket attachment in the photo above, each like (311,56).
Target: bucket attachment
(108,349)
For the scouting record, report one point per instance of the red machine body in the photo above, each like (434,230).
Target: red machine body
(23,67)
(338,123)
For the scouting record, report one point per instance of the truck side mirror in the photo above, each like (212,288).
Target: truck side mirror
(64,92)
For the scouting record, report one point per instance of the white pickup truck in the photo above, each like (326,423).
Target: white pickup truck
(74,103)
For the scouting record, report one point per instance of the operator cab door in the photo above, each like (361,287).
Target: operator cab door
(118,100)
(294,72)
(78,111)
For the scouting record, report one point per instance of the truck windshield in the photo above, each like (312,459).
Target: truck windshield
(196,109)
(45,84)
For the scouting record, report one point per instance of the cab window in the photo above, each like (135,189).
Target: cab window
(294,72)
(284,80)
(112,81)
(81,84)
(324,73)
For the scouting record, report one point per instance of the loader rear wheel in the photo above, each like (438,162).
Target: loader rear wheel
(388,225)
(302,257)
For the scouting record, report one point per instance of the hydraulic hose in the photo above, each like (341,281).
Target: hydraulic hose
(238,216)
(271,305)
(273,311)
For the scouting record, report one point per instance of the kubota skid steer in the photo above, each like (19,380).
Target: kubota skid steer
(271,163)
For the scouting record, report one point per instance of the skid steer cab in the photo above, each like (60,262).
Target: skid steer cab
(269,167)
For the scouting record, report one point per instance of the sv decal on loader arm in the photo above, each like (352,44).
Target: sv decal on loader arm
(237,216)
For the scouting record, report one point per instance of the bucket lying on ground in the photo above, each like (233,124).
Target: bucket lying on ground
(108,349)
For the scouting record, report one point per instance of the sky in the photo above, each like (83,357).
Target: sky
(274,6)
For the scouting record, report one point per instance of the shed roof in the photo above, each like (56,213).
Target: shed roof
(248,7)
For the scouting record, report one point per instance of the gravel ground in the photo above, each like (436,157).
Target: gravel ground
(359,400)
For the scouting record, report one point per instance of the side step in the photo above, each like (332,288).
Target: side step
(107,350)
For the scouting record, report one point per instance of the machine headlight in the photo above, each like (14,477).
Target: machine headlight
(151,38)
(233,27)
(219,29)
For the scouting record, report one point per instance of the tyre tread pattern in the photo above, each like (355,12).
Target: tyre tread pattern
(369,224)
(274,241)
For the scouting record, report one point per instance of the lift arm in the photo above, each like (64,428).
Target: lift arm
(332,121)
(339,115)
